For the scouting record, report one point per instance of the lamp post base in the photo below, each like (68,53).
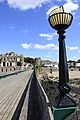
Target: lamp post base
(64,113)
(64,107)
(63,101)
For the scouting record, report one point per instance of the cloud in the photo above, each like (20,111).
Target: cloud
(71,48)
(50,46)
(68,1)
(49,52)
(45,47)
(74,48)
(8,27)
(48,36)
(26,4)
(24,31)
(74,57)
(11,27)
(79,23)
(1,0)
(59,0)
(26,46)
(47,56)
(68,6)
(52,8)
(72,1)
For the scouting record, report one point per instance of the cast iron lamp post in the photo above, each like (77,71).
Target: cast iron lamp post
(60,20)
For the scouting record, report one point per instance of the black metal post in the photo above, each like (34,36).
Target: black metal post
(64,87)
(63,67)
(63,102)
(63,99)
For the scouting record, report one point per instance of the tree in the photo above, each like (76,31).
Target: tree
(29,60)
(39,67)
(78,60)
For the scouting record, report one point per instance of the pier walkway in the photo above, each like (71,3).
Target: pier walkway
(11,90)
(22,97)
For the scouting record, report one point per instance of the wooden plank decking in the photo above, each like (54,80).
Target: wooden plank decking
(11,89)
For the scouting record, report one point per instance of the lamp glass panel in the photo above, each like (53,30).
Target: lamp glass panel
(61,18)
(69,19)
(58,17)
(65,19)
(52,20)
(56,21)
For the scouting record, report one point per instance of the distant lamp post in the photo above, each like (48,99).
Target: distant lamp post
(60,20)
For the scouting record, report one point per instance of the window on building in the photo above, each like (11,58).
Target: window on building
(2,70)
(19,63)
(20,59)
(3,63)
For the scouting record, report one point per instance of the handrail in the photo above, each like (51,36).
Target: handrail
(11,73)
(37,106)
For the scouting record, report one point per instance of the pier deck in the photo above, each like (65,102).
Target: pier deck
(11,89)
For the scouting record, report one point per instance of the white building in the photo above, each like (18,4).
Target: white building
(11,61)
(48,65)
(77,64)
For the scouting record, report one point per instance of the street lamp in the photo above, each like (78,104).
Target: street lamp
(60,20)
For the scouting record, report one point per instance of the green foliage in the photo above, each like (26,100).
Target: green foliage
(70,61)
(39,68)
(78,60)
(29,60)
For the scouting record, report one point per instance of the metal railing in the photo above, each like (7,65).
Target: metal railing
(11,73)
(37,105)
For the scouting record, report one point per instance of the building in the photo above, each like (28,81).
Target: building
(11,61)
(48,63)
(77,64)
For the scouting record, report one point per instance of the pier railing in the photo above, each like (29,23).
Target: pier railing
(3,75)
(37,104)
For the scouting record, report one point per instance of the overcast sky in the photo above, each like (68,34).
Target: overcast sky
(24,28)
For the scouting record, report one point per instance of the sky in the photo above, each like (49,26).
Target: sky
(24,28)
